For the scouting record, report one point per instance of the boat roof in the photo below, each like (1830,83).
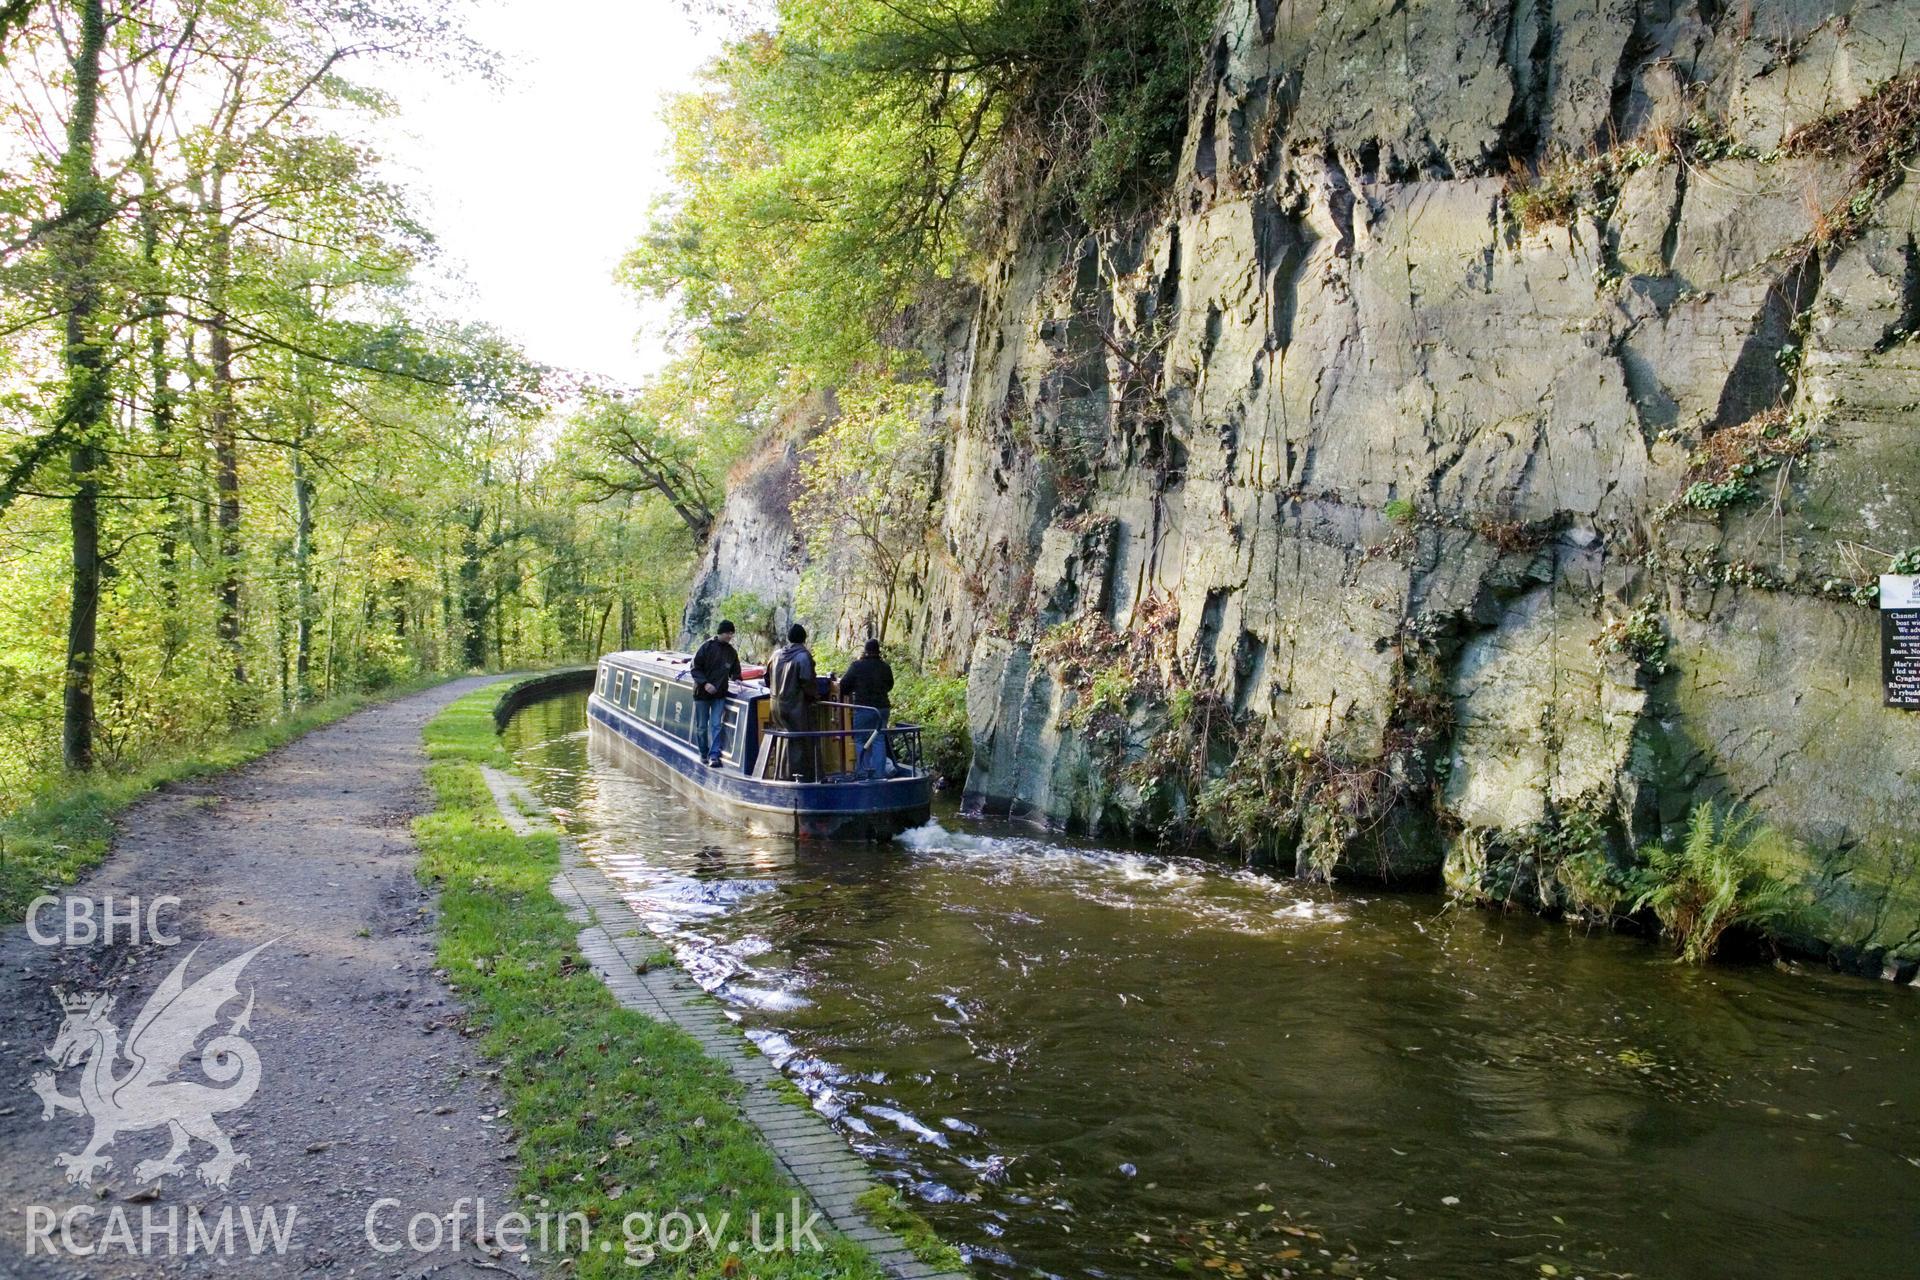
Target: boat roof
(670,660)
(669,663)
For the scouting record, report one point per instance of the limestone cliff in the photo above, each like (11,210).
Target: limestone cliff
(1494,428)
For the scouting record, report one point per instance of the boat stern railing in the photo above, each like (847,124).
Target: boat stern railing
(832,755)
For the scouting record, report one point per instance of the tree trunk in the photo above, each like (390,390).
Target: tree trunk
(282,634)
(84,407)
(499,629)
(500,595)
(600,633)
(302,573)
(161,414)
(333,630)
(473,594)
(83,617)
(226,446)
(446,607)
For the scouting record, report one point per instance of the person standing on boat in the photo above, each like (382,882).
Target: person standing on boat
(715,667)
(868,685)
(796,691)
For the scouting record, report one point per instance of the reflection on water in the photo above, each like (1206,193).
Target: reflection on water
(1089,1062)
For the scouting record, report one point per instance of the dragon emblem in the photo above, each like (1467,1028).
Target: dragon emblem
(143,1094)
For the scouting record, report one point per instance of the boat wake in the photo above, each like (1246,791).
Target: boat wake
(1128,880)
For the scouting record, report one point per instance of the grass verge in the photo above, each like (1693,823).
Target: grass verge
(65,827)
(617,1114)
(885,1209)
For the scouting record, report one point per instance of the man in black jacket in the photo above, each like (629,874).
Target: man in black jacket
(868,685)
(796,692)
(714,668)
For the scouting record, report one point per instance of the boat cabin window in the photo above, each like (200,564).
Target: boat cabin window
(665,704)
(676,711)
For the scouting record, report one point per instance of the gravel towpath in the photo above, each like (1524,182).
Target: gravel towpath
(365,1096)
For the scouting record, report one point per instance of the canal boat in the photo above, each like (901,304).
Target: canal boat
(802,782)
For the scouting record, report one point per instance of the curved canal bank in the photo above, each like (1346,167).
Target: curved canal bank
(548,684)
(1098,1062)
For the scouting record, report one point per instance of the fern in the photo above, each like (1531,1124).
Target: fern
(1717,879)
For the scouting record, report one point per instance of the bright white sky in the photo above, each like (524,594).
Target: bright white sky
(536,188)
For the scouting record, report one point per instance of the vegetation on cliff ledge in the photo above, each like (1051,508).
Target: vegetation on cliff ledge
(834,167)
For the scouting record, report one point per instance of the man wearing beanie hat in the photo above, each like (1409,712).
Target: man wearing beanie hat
(714,668)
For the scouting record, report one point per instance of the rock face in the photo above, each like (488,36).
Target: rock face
(755,553)
(1470,506)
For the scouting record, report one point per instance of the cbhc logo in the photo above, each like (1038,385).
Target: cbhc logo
(84,922)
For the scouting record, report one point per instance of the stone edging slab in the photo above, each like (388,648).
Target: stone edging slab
(804,1145)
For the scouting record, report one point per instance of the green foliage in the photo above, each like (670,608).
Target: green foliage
(1400,510)
(811,200)
(1107,694)
(1720,877)
(1324,804)
(617,1112)
(666,441)
(1550,200)
(1592,886)
(1134,69)
(866,503)
(309,483)
(1640,635)
(1253,807)
(831,169)
(1577,872)
(1723,470)
(937,702)
(1717,495)
(754,618)
(836,176)
(1563,863)
(886,1210)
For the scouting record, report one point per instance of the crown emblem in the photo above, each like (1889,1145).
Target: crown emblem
(78,1002)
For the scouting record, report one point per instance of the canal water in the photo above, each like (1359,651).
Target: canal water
(1083,1061)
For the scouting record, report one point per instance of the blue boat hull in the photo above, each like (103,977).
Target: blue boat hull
(876,810)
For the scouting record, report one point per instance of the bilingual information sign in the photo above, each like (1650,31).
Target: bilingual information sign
(1900,639)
